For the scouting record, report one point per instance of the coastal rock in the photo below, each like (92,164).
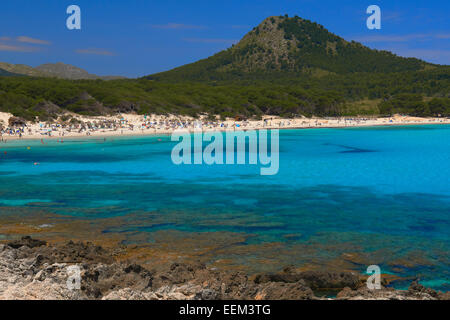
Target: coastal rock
(284,291)
(416,291)
(179,273)
(382,294)
(419,290)
(184,292)
(20,279)
(316,280)
(28,242)
(100,280)
(130,294)
(444,295)
(30,269)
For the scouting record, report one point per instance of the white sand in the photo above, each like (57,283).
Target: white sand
(168,125)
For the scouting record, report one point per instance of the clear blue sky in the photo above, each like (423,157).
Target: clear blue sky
(139,37)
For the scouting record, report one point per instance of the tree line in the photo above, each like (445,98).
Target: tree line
(420,93)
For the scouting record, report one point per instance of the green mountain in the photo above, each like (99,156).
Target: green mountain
(57,70)
(283,46)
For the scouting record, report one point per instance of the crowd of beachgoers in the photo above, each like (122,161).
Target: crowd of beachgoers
(131,124)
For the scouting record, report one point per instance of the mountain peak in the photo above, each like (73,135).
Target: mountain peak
(283,43)
(265,47)
(280,44)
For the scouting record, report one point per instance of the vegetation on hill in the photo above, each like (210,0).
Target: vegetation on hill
(282,47)
(422,93)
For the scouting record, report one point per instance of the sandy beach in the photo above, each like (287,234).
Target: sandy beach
(135,125)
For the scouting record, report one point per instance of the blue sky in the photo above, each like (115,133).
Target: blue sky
(140,37)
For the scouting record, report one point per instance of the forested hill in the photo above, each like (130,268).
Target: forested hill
(284,47)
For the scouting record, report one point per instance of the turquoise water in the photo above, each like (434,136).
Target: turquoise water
(382,192)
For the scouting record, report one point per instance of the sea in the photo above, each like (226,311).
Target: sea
(342,198)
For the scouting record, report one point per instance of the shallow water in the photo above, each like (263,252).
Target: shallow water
(381,192)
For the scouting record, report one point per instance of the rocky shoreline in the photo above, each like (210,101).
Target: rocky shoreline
(33,269)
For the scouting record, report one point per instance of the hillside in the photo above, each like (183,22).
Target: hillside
(291,47)
(65,71)
(4,73)
(21,69)
(420,93)
(57,70)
